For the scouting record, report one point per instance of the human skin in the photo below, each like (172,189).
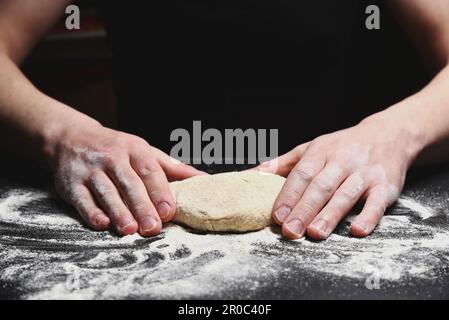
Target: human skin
(119,180)
(113,179)
(329,175)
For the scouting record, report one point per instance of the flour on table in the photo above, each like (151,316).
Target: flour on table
(417,207)
(52,255)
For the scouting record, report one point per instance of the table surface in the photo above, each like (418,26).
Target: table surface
(46,253)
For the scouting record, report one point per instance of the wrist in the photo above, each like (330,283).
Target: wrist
(403,127)
(58,130)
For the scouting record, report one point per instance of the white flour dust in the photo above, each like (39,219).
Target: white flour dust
(417,207)
(47,254)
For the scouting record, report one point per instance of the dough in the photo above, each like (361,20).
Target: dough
(235,201)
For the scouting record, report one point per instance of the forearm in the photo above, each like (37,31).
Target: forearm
(425,115)
(427,24)
(30,121)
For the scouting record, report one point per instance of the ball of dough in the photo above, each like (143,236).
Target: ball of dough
(234,201)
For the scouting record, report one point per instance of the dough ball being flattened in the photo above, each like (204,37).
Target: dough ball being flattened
(234,201)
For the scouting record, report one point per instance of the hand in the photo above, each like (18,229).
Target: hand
(329,175)
(114,178)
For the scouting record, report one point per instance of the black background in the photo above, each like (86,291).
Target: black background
(306,67)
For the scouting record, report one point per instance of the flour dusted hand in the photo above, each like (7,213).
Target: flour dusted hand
(114,178)
(235,201)
(329,175)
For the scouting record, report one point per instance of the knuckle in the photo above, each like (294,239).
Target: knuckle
(292,195)
(67,175)
(335,168)
(378,203)
(323,185)
(304,172)
(156,195)
(349,194)
(100,188)
(378,207)
(307,208)
(132,140)
(147,168)
(141,208)
(140,142)
(104,194)
(94,157)
(331,217)
(333,214)
(120,139)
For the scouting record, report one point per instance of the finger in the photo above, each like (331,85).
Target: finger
(283,165)
(81,198)
(156,185)
(317,194)
(109,199)
(297,181)
(336,209)
(379,198)
(133,190)
(175,169)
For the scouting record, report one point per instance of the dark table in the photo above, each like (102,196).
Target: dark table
(46,252)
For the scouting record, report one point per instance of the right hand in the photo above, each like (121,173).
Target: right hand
(116,179)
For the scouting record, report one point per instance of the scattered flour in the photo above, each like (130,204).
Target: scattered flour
(417,207)
(9,209)
(51,255)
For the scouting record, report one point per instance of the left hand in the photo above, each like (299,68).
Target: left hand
(329,175)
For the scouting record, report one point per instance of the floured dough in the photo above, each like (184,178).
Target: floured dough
(234,201)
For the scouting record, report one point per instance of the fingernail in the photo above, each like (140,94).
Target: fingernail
(282,213)
(364,226)
(295,226)
(164,210)
(126,225)
(101,220)
(321,225)
(148,224)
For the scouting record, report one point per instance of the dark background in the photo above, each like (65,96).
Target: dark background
(381,67)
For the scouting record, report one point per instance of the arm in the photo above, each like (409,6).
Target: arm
(110,177)
(427,24)
(26,113)
(369,161)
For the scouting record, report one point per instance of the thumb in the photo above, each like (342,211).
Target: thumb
(175,169)
(283,164)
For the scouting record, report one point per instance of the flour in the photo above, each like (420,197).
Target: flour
(417,207)
(9,212)
(51,255)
